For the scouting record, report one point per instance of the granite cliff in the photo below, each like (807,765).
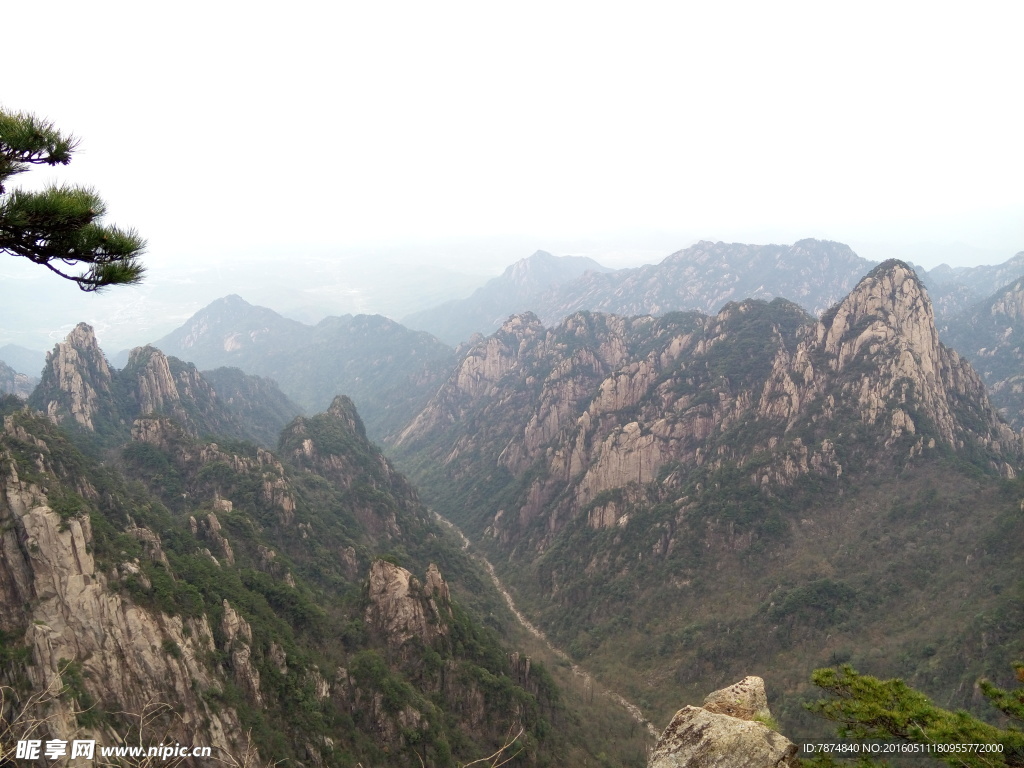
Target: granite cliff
(231,596)
(14,383)
(600,403)
(723,465)
(80,390)
(991,335)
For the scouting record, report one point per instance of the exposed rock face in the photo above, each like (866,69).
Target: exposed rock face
(52,592)
(697,738)
(76,381)
(213,531)
(603,404)
(168,387)
(724,734)
(401,609)
(274,488)
(78,387)
(746,700)
(888,321)
(334,444)
(238,643)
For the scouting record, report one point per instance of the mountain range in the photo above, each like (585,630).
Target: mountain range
(813,273)
(796,489)
(278,607)
(387,369)
(679,495)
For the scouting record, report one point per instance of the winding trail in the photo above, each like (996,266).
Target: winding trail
(588,680)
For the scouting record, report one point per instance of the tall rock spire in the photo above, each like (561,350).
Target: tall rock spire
(76,381)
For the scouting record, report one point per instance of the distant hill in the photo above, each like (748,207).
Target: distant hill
(991,335)
(704,277)
(23,360)
(813,273)
(516,290)
(14,383)
(955,290)
(387,369)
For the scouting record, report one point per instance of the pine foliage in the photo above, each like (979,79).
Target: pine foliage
(59,227)
(868,708)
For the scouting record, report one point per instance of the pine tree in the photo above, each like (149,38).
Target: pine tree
(868,708)
(59,226)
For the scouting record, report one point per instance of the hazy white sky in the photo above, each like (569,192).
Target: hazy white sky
(221,129)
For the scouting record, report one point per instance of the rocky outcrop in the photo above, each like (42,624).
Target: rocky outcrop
(888,323)
(212,530)
(124,658)
(334,444)
(263,466)
(76,382)
(238,643)
(400,608)
(746,700)
(78,387)
(726,732)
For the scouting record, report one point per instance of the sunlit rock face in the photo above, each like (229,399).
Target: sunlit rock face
(726,732)
(402,607)
(78,379)
(66,609)
(591,412)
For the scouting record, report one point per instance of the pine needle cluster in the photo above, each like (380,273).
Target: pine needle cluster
(868,708)
(59,227)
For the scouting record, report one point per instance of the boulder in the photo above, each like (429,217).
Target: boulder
(725,733)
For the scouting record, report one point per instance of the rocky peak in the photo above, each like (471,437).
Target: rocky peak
(15,383)
(482,367)
(156,391)
(344,410)
(889,302)
(882,344)
(75,379)
(400,608)
(436,585)
(746,700)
